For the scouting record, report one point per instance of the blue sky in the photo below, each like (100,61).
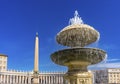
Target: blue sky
(21,19)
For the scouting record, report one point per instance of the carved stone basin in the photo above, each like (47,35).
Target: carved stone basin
(77,35)
(78,56)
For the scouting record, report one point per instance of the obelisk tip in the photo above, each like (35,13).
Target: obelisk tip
(36,33)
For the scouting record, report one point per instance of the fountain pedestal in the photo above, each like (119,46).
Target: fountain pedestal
(78,78)
(78,74)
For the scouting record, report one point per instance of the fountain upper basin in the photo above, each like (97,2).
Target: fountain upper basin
(78,56)
(77,35)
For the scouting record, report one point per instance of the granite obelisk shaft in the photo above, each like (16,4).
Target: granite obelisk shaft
(36,61)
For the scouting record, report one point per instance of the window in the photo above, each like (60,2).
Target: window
(4,62)
(0,62)
(3,67)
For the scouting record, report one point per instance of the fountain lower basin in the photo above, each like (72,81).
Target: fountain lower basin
(78,56)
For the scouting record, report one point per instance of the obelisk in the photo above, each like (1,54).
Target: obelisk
(36,61)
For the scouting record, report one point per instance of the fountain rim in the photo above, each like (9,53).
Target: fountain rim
(55,57)
(77,26)
(70,48)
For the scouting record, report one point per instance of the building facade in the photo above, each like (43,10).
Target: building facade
(114,76)
(107,76)
(100,77)
(3,62)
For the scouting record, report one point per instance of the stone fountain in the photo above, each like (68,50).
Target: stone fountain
(77,57)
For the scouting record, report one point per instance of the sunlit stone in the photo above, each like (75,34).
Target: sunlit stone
(77,35)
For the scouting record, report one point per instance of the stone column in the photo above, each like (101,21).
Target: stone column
(20,79)
(51,80)
(4,78)
(13,78)
(54,80)
(29,80)
(61,79)
(41,79)
(0,78)
(16,79)
(57,79)
(25,80)
(7,79)
(48,79)
(10,79)
(45,79)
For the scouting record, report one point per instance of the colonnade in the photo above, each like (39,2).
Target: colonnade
(14,79)
(26,78)
(51,79)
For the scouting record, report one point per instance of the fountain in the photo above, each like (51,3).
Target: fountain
(77,57)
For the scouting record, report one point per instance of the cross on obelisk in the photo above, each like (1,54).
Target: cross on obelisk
(36,61)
